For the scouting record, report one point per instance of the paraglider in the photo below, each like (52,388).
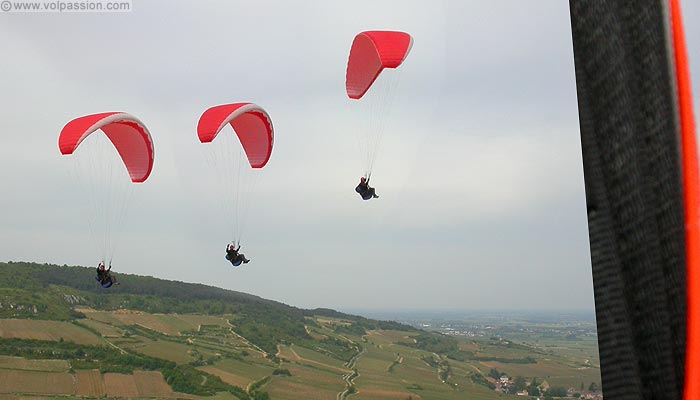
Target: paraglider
(364,190)
(104,276)
(97,171)
(233,255)
(237,159)
(371,53)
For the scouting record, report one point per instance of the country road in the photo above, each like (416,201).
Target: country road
(351,377)
(246,341)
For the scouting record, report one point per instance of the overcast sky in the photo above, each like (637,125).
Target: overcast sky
(480,173)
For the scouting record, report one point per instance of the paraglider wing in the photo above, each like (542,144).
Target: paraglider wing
(250,122)
(129,136)
(371,52)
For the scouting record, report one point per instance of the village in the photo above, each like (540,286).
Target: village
(542,390)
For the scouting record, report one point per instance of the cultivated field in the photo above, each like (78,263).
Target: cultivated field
(240,373)
(106,330)
(142,384)
(46,330)
(167,350)
(331,322)
(7,362)
(89,384)
(120,385)
(31,382)
(387,337)
(297,354)
(151,384)
(167,324)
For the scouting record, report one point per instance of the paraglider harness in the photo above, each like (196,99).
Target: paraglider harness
(107,283)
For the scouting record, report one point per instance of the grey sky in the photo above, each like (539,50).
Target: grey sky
(485,119)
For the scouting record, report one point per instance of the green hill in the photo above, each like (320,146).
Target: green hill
(51,292)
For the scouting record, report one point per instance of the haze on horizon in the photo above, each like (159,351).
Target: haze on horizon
(480,172)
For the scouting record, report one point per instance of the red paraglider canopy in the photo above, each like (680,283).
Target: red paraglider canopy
(129,136)
(250,122)
(371,52)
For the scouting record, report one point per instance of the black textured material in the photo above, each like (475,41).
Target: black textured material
(631,156)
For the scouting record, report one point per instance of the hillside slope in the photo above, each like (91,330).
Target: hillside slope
(44,291)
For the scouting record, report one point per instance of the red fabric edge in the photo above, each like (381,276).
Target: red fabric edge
(691,198)
(213,118)
(147,139)
(73,131)
(267,121)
